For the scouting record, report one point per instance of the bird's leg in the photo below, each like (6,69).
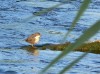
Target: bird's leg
(32,45)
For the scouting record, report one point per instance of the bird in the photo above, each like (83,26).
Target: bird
(33,38)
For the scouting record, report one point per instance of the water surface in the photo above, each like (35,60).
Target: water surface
(53,27)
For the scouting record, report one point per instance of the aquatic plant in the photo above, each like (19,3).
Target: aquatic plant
(95,46)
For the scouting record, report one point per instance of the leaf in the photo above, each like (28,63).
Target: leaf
(44,11)
(73,63)
(79,14)
(87,34)
(47,10)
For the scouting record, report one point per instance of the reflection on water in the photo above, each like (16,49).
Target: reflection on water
(32,49)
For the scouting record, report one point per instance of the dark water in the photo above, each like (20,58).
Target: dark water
(53,27)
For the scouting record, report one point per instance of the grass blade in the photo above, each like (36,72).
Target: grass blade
(44,11)
(73,63)
(87,34)
(47,10)
(82,9)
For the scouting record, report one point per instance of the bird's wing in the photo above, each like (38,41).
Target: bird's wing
(31,39)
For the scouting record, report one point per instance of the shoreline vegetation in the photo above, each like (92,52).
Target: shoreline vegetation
(93,46)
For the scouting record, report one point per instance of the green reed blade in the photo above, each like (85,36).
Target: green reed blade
(82,9)
(73,63)
(86,35)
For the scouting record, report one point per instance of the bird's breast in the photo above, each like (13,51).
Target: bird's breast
(37,39)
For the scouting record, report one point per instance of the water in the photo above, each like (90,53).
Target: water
(53,27)
(13,60)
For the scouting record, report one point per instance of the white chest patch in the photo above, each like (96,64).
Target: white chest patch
(37,38)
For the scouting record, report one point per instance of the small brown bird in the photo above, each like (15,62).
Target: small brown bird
(33,39)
